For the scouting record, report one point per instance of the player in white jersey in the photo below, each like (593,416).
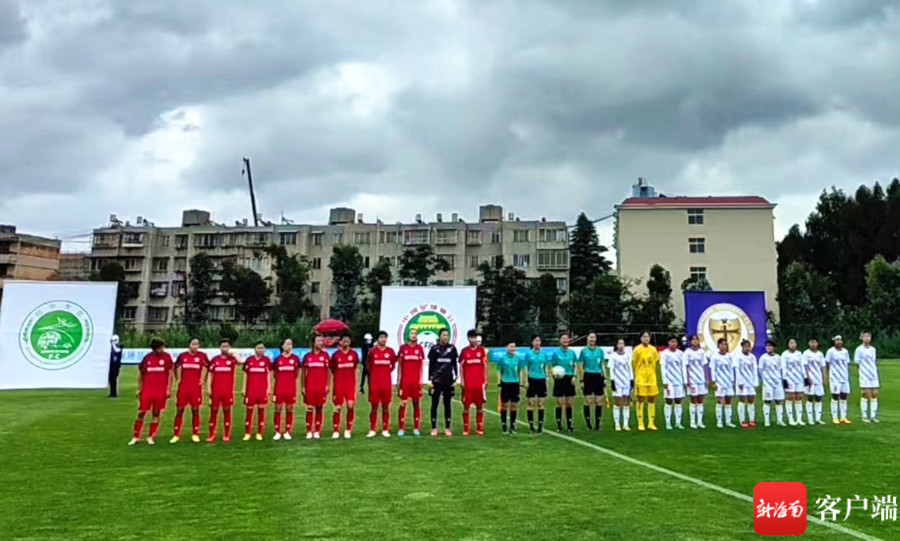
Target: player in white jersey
(815,367)
(746,372)
(794,376)
(721,368)
(697,363)
(837,360)
(620,375)
(771,370)
(865,357)
(674,378)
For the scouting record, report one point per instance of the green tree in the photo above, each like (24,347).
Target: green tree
(419,264)
(883,290)
(346,275)
(696,284)
(503,306)
(545,300)
(586,258)
(655,313)
(111,271)
(247,289)
(604,305)
(200,279)
(379,275)
(806,297)
(291,286)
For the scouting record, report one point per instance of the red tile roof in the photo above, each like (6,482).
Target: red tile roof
(742,201)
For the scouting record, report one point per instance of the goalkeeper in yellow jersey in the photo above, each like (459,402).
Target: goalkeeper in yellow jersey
(644,361)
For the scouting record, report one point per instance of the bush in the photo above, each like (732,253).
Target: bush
(178,336)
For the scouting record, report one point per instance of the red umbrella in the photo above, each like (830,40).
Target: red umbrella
(331,326)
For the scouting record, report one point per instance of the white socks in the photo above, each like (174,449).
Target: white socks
(874,405)
(626,412)
(719,414)
(779,412)
(751,410)
(742,412)
(767,414)
(869,408)
(817,407)
(616,410)
(728,414)
(843,406)
(679,413)
(809,412)
(667,411)
(798,410)
(864,408)
(834,410)
(790,411)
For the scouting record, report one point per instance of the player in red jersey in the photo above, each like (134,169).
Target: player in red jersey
(380,363)
(473,378)
(410,358)
(314,380)
(220,387)
(256,390)
(343,376)
(189,375)
(286,369)
(154,388)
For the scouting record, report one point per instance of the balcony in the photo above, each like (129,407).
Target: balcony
(8,259)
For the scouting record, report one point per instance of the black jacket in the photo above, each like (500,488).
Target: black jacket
(442,364)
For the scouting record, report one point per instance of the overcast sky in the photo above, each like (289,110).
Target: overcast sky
(394,108)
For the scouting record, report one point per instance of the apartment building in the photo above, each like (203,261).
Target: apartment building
(26,257)
(157,259)
(728,240)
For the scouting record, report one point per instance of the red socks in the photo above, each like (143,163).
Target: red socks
(195,422)
(385,417)
(336,420)
(260,421)
(466,420)
(401,416)
(479,420)
(277,421)
(227,422)
(373,418)
(248,421)
(320,416)
(289,422)
(351,416)
(154,427)
(417,415)
(179,421)
(138,427)
(213,418)
(309,421)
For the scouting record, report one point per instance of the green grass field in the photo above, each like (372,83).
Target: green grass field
(67,474)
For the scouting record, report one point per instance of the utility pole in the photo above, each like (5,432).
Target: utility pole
(252,195)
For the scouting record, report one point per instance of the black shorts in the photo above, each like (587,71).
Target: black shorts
(509,392)
(537,388)
(563,387)
(447,390)
(594,384)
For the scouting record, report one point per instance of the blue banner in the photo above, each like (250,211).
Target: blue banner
(733,315)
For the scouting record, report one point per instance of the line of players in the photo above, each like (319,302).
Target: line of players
(319,374)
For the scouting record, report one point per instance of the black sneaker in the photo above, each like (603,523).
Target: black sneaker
(532,430)
(571,430)
(590,426)
(505,430)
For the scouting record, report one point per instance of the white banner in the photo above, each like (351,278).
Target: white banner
(428,310)
(56,334)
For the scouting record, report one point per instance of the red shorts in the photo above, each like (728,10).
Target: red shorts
(411,390)
(287,399)
(315,398)
(380,396)
(152,403)
(221,401)
(256,399)
(343,394)
(189,397)
(473,396)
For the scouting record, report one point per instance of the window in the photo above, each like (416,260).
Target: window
(497,238)
(552,235)
(698,273)
(287,239)
(316,263)
(132,288)
(205,241)
(553,259)
(159,289)
(497,261)
(521,235)
(180,264)
(362,238)
(179,289)
(473,237)
(314,287)
(131,264)
(317,239)
(697,245)
(366,262)
(4,247)
(158,314)
(133,239)
(228,240)
(473,262)
(181,242)
(337,238)
(129,312)
(415,236)
(446,236)
(257,239)
(449,259)
(443,283)
(695,216)
(521,261)
(161,264)
(390,237)
(106,240)
(562,286)
(163,241)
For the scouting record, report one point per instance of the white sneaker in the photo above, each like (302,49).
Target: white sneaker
(309,435)
(874,420)
(821,422)
(371,434)
(720,425)
(151,441)
(287,436)
(781,423)
(336,436)
(317,436)
(865,420)
(416,433)
(792,422)
(133,442)
(668,427)
(385,433)
(767,424)
(679,427)
(401,433)
(701,425)
(347,434)
(731,425)
(277,436)
(801,423)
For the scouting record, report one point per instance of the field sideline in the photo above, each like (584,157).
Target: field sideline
(69,475)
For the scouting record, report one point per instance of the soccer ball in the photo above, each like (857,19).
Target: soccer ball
(558,372)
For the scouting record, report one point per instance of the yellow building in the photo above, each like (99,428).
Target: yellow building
(728,240)
(26,257)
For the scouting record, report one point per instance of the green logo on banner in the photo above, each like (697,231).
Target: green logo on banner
(56,335)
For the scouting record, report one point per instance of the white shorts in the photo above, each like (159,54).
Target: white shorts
(773,393)
(816,389)
(747,391)
(674,392)
(795,387)
(622,391)
(698,390)
(867,383)
(724,390)
(839,388)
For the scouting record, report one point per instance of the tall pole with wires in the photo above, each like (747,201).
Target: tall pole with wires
(252,195)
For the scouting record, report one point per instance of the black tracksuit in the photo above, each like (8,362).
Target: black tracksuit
(443,370)
(115,364)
